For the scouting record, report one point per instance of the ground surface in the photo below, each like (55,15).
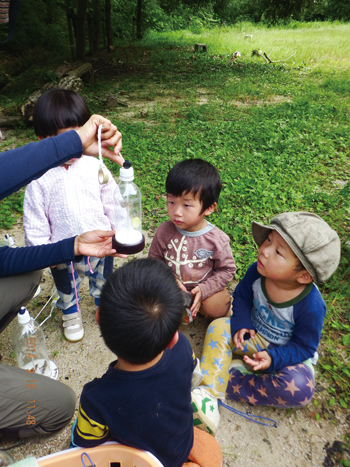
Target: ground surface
(299,440)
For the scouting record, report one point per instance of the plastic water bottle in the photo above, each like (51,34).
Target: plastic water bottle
(29,346)
(129,239)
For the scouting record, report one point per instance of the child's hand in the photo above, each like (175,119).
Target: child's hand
(239,337)
(180,284)
(262,360)
(197,300)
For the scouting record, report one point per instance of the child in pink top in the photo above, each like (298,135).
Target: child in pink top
(67,201)
(198,252)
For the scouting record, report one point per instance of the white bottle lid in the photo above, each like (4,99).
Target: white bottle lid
(126,173)
(23,315)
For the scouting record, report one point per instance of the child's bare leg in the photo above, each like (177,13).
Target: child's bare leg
(217,305)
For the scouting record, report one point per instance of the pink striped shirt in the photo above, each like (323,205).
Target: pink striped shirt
(64,203)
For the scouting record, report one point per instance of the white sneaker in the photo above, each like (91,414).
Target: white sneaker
(73,326)
(206,414)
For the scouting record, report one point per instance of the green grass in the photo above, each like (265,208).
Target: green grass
(278,133)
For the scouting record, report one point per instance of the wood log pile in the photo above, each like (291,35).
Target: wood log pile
(70,78)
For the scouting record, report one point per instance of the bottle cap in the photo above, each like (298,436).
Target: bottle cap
(126,172)
(23,315)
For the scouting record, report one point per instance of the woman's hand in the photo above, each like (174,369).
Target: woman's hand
(110,136)
(96,243)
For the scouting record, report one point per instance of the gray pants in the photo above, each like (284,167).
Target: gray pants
(49,405)
(38,410)
(16,291)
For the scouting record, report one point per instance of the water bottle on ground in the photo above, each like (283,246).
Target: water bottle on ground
(30,346)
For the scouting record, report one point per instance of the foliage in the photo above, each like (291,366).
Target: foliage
(10,209)
(39,22)
(278,133)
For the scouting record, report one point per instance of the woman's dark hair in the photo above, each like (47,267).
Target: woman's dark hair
(140,310)
(58,109)
(195,176)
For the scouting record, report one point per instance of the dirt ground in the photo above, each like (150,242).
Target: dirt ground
(299,440)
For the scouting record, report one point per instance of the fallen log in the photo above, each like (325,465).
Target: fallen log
(7,121)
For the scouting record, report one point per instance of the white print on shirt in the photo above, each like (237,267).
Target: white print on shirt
(177,256)
(274,324)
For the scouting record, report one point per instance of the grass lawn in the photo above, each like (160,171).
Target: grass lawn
(277,132)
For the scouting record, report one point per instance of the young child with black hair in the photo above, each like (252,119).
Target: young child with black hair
(264,353)
(198,253)
(67,201)
(144,399)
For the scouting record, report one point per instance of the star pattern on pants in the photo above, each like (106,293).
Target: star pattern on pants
(310,384)
(213,344)
(263,391)
(252,399)
(280,401)
(252,382)
(291,387)
(236,388)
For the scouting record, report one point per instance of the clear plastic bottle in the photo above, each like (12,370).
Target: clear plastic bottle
(29,345)
(129,239)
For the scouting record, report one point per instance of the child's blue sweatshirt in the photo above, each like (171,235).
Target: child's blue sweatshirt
(294,328)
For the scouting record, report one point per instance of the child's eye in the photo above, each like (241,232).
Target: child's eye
(278,252)
(170,202)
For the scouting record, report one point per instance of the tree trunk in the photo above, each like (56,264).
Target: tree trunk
(70,14)
(80,28)
(109,34)
(138,19)
(96,25)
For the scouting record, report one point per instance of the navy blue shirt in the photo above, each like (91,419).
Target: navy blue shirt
(149,409)
(19,167)
(293,328)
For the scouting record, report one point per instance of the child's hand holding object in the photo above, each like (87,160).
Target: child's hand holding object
(262,360)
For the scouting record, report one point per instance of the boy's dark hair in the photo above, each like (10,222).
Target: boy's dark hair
(140,310)
(58,109)
(196,176)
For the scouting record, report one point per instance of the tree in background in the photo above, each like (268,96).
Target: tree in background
(274,10)
(59,24)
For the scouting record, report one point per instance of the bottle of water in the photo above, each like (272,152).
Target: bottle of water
(128,239)
(30,347)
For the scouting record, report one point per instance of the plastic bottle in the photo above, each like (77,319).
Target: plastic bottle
(129,239)
(29,345)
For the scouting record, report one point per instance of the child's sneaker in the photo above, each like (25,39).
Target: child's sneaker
(73,326)
(205,410)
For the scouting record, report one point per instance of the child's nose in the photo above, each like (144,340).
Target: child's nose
(265,250)
(177,210)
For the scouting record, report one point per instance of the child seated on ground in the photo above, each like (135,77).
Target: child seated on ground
(277,319)
(198,253)
(144,399)
(68,201)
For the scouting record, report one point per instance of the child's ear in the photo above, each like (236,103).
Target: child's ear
(97,315)
(40,138)
(173,340)
(304,278)
(210,209)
